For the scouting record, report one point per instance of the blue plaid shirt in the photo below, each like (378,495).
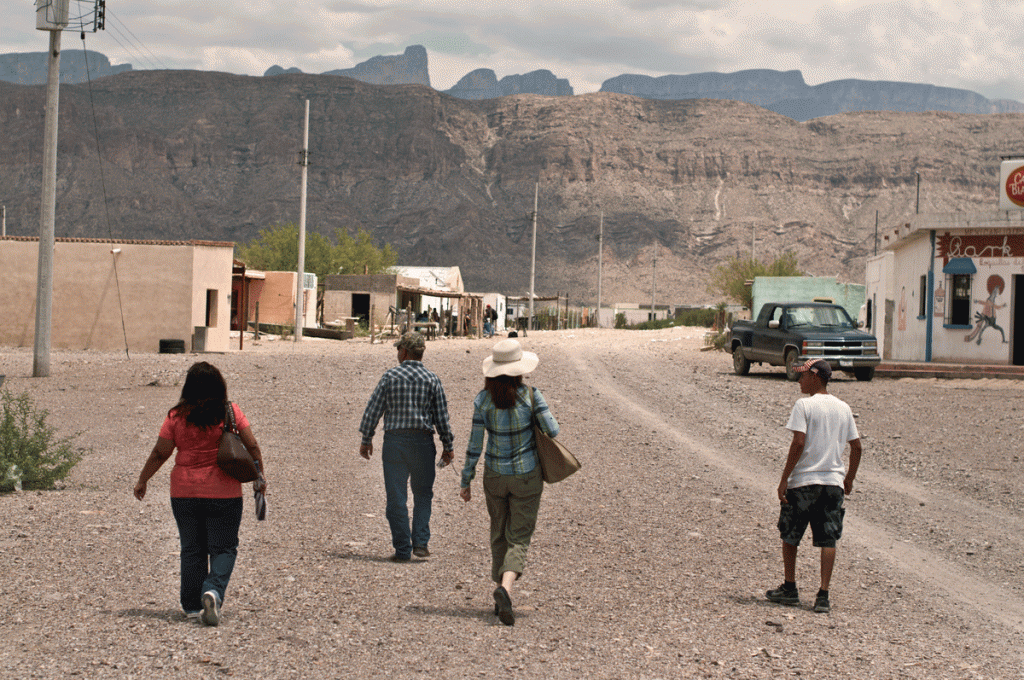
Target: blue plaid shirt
(410,398)
(511,449)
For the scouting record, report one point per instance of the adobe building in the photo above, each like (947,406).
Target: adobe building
(950,287)
(117,295)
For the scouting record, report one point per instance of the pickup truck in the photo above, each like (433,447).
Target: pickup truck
(789,333)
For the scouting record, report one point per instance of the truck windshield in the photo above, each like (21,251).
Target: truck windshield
(829,317)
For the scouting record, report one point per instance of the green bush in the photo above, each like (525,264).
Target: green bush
(620,320)
(696,317)
(652,325)
(30,451)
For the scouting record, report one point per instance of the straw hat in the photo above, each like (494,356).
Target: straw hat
(508,358)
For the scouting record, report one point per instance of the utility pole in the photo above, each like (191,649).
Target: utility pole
(917,203)
(300,282)
(53,17)
(3,220)
(876,232)
(533,251)
(600,256)
(654,278)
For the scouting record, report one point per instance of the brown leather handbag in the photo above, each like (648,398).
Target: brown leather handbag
(232,456)
(556,461)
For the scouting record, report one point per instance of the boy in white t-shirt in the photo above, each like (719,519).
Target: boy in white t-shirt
(814,479)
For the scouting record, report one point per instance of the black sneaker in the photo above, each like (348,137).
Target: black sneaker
(783,595)
(821,604)
(503,605)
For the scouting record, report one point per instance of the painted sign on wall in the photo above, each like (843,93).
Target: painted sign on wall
(980,246)
(1011,185)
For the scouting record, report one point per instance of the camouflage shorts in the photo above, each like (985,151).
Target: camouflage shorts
(817,505)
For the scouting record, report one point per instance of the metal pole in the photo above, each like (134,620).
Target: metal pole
(300,283)
(3,220)
(47,212)
(876,232)
(917,205)
(533,252)
(654,278)
(753,239)
(600,258)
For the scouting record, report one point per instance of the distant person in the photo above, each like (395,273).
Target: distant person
(505,409)
(490,316)
(814,479)
(206,501)
(413,404)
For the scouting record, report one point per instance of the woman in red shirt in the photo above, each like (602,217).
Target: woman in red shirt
(206,501)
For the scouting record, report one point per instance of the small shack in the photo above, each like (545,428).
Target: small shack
(384,300)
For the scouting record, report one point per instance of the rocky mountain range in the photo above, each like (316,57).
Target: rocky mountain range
(448,181)
(783,92)
(76,66)
(788,94)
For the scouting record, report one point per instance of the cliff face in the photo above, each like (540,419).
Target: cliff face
(788,94)
(483,83)
(451,182)
(30,68)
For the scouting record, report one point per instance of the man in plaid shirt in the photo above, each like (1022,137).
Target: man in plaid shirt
(412,402)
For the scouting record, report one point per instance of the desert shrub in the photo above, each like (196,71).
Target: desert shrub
(695,317)
(652,325)
(620,320)
(30,450)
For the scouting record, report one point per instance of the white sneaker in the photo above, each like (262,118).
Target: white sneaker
(211,608)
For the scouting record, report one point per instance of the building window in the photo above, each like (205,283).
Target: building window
(960,300)
(922,307)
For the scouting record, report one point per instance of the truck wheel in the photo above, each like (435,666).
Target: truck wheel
(864,373)
(740,364)
(791,373)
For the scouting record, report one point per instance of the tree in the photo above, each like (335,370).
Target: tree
(277,249)
(730,279)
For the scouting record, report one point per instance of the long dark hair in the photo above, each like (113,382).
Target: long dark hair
(503,389)
(203,396)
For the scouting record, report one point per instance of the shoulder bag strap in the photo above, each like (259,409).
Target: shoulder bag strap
(229,418)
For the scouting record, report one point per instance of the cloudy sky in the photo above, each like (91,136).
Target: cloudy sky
(976,45)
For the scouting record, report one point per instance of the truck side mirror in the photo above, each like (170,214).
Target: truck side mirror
(773,323)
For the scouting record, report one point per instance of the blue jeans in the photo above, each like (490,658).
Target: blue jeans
(488,328)
(408,457)
(208,528)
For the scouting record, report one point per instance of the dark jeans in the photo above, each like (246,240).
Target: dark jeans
(208,528)
(408,457)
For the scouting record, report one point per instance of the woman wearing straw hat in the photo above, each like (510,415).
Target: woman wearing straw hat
(512,477)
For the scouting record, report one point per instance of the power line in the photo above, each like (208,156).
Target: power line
(137,40)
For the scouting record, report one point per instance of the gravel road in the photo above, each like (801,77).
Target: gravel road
(650,563)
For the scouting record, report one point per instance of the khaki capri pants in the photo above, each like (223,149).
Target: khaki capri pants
(513,502)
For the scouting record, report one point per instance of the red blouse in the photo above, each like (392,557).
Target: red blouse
(196,473)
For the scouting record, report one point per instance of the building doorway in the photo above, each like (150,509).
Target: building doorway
(361,306)
(1017,325)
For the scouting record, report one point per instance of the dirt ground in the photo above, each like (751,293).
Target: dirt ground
(651,562)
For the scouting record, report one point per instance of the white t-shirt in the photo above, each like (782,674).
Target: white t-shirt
(828,423)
